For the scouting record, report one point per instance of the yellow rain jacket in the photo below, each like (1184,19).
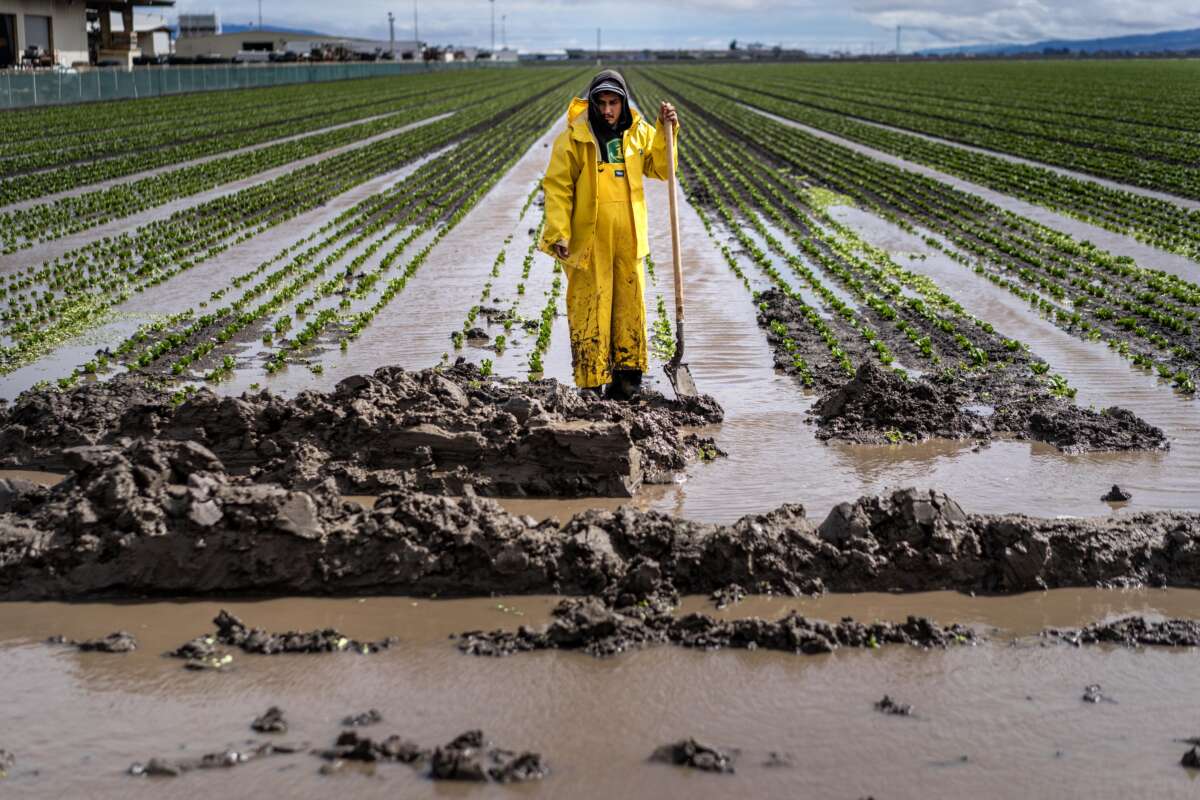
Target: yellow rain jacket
(599,210)
(571,190)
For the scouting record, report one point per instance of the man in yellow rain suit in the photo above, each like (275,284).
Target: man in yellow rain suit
(596,226)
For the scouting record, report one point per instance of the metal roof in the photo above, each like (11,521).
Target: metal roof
(98,5)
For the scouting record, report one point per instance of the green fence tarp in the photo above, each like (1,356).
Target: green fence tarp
(27,89)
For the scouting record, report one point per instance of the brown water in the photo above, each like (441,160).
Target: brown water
(993,720)
(33,476)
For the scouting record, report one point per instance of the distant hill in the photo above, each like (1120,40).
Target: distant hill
(1164,42)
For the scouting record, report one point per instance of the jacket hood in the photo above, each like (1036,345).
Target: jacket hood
(609,78)
(577,116)
(609,75)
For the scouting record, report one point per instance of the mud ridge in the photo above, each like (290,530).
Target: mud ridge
(166,518)
(589,625)
(442,430)
(232,632)
(1134,631)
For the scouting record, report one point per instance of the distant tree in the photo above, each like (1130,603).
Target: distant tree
(733,45)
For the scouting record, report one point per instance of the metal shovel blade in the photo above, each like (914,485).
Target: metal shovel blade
(677,371)
(681,379)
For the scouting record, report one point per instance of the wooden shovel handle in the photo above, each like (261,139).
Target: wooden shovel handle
(672,192)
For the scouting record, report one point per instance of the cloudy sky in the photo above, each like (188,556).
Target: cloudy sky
(857,25)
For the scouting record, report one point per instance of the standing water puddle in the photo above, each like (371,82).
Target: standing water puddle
(989,721)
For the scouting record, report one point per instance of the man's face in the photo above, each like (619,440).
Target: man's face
(609,104)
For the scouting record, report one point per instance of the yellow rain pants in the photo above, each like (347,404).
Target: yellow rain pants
(606,308)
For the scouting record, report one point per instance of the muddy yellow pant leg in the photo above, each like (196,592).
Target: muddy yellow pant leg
(589,316)
(606,308)
(629,345)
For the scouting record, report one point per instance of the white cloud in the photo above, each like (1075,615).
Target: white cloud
(964,21)
(816,24)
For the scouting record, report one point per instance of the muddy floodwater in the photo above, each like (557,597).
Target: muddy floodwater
(1000,719)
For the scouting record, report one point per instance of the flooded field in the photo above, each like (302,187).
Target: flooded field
(249,457)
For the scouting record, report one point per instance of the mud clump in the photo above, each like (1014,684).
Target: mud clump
(170,768)
(881,406)
(442,430)
(589,625)
(469,757)
(351,746)
(578,624)
(118,642)
(693,754)
(1133,631)
(232,632)
(1191,759)
(889,706)
(1117,495)
(202,653)
(370,717)
(1094,693)
(7,762)
(728,596)
(164,517)
(271,721)
(878,406)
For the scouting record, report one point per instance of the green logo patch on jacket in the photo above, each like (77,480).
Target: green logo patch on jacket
(613,148)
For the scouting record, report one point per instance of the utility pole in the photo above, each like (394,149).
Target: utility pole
(897,44)
(260,15)
(492,3)
(504,31)
(597,47)
(416,34)
(392,35)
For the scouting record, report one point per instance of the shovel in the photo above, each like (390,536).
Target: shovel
(677,371)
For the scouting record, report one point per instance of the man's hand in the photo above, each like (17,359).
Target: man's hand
(560,250)
(666,112)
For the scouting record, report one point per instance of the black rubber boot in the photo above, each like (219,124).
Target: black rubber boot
(626,384)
